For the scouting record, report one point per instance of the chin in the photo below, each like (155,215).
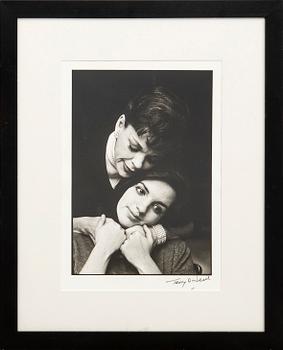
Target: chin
(121,171)
(124,175)
(124,222)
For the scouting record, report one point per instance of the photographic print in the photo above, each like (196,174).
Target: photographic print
(141,172)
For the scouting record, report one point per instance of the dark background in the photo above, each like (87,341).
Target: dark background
(100,97)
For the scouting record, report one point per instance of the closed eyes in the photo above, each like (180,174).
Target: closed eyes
(133,148)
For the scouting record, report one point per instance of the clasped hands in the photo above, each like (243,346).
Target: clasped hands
(135,242)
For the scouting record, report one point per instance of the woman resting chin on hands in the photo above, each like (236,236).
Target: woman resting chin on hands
(146,200)
(109,237)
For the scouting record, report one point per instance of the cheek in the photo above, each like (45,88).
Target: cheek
(123,151)
(155,218)
(151,219)
(118,146)
(121,211)
(127,198)
(118,208)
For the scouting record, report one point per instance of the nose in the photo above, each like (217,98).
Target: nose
(138,160)
(142,207)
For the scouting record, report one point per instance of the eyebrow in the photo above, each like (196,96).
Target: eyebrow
(136,143)
(162,204)
(157,202)
(145,187)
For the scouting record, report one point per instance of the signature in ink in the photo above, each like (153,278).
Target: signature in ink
(189,280)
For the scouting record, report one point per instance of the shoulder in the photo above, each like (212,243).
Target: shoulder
(174,257)
(174,246)
(172,250)
(82,241)
(82,247)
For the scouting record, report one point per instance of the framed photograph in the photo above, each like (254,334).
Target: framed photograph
(149,82)
(142,159)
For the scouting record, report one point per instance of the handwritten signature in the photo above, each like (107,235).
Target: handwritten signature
(188,281)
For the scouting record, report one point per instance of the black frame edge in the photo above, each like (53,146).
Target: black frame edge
(10,11)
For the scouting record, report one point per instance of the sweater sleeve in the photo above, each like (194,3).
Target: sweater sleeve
(82,247)
(174,258)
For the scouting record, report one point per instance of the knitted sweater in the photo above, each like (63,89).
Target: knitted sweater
(172,258)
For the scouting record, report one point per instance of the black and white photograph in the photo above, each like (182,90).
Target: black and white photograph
(141,172)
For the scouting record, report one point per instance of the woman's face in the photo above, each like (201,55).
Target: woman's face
(131,151)
(145,203)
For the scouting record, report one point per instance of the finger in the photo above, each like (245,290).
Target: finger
(122,249)
(139,229)
(123,232)
(115,224)
(123,245)
(127,233)
(111,221)
(101,221)
(133,228)
(108,220)
(130,230)
(112,224)
(136,234)
(148,233)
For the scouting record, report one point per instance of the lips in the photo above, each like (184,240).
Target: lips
(127,169)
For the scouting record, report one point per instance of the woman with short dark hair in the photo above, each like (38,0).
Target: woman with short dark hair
(151,128)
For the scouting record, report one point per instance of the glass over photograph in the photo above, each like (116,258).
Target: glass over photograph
(141,172)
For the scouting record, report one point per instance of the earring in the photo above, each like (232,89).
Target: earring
(116,134)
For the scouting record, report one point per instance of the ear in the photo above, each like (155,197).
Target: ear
(121,123)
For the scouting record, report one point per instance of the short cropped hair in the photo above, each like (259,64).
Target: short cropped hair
(162,116)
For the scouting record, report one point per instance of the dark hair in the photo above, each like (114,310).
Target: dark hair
(163,117)
(174,215)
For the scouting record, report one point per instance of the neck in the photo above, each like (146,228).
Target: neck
(112,172)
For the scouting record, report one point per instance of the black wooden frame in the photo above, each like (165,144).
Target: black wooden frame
(272,12)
